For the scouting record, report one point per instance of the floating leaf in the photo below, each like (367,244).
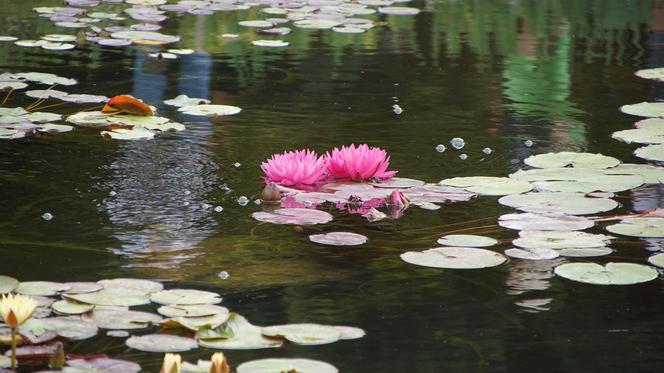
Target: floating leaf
(184,100)
(585,252)
(5,362)
(57,46)
(643,135)
(166,56)
(145,37)
(397,182)
(185,296)
(45,78)
(71,327)
(487,185)
(82,287)
(466,240)
(7,284)
(651,153)
(123,319)
(560,240)
(101,365)
(544,222)
(66,307)
(316,23)
(303,334)
(454,258)
(654,73)
(43,288)
(399,11)
(339,239)
(242,336)
(297,216)
(349,30)
(286,365)
(12,85)
(645,109)
(161,343)
(639,227)
(137,133)
(210,110)
(112,297)
(611,274)
(349,332)
(604,183)
(192,310)
(532,254)
(564,203)
(198,323)
(270,43)
(657,260)
(181,52)
(651,174)
(571,159)
(256,23)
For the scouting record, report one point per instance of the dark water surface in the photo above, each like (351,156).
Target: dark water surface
(495,73)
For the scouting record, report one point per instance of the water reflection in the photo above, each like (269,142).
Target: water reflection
(528,280)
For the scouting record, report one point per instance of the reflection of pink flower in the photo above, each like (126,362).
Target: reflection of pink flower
(292,168)
(398,199)
(359,207)
(358,163)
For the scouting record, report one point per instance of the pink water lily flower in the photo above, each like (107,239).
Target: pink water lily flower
(300,167)
(358,163)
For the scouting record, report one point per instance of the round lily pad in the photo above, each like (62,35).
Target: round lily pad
(161,343)
(657,260)
(339,238)
(239,334)
(399,11)
(645,109)
(101,364)
(191,310)
(571,159)
(487,185)
(303,334)
(653,73)
(270,43)
(560,240)
(651,152)
(286,365)
(83,287)
(454,258)
(112,297)
(7,284)
(184,100)
(12,85)
(396,182)
(316,23)
(198,323)
(123,319)
(185,296)
(532,254)
(65,307)
(43,288)
(610,274)
(349,332)
(650,174)
(603,183)
(70,327)
(466,240)
(210,110)
(639,227)
(140,37)
(586,252)
(137,133)
(563,203)
(644,135)
(298,216)
(544,222)
(140,285)
(255,23)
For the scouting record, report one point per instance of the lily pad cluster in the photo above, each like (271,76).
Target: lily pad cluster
(85,308)
(125,126)
(17,123)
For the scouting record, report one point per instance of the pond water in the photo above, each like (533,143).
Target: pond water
(494,73)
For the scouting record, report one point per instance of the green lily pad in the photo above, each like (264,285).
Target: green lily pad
(184,100)
(70,327)
(586,252)
(12,85)
(454,258)
(65,307)
(43,288)
(161,343)
(338,238)
(571,160)
(611,274)
(645,109)
(270,43)
(137,133)
(210,110)
(560,240)
(286,365)
(83,287)
(123,319)
(134,284)
(532,254)
(647,135)
(604,183)
(141,36)
(487,185)
(241,335)
(112,297)
(316,23)
(562,203)
(544,222)
(197,323)
(639,227)
(256,23)
(657,260)
(466,240)
(650,174)
(7,284)
(202,366)
(349,332)
(45,78)
(651,152)
(185,296)
(193,310)
(303,334)
(654,73)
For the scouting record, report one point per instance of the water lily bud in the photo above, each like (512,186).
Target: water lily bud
(172,363)
(271,193)
(219,363)
(398,199)
(57,360)
(16,309)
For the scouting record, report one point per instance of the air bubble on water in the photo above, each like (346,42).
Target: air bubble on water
(257,201)
(205,206)
(236,164)
(186,203)
(487,150)
(187,192)
(463,156)
(308,204)
(457,143)
(440,148)
(243,201)
(112,193)
(47,216)
(528,143)
(218,209)
(223,275)
(397,109)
